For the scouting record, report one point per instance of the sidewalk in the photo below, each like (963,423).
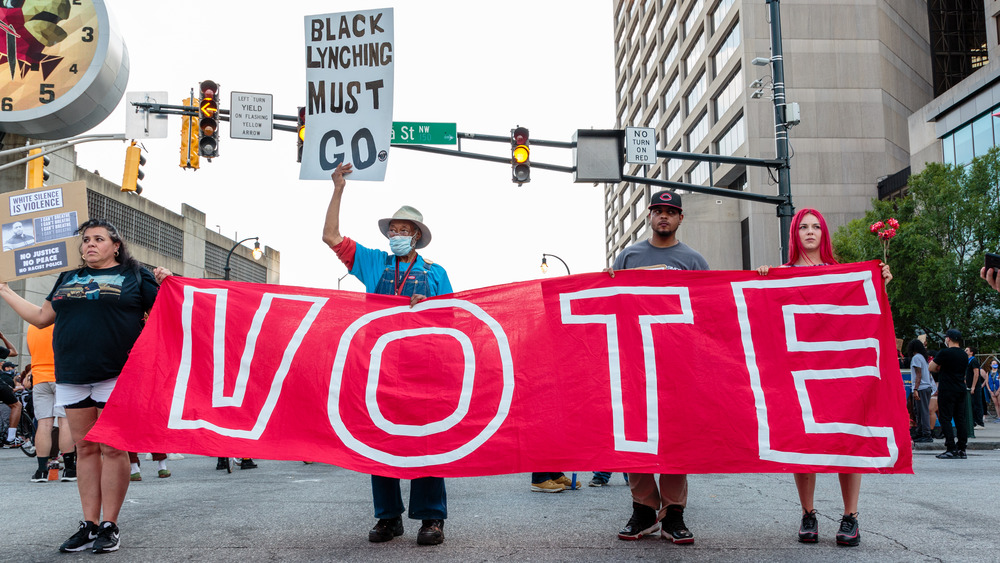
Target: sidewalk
(986,438)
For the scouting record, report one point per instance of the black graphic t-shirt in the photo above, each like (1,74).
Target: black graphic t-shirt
(98,319)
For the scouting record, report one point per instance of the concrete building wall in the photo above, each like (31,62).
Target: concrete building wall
(856,69)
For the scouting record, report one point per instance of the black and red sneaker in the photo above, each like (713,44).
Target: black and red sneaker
(809,528)
(674,528)
(642,523)
(849,533)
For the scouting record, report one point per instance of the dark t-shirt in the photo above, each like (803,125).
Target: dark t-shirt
(953,362)
(98,319)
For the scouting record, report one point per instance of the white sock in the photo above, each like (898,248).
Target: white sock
(163,464)
(135,468)
(11,432)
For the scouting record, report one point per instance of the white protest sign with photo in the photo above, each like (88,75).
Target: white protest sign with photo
(349,85)
(38,230)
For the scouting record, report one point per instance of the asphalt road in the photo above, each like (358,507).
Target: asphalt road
(289,511)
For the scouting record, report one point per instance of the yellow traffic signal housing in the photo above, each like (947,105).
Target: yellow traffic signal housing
(37,175)
(132,175)
(189,139)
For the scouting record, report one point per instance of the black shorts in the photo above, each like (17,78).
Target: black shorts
(7,395)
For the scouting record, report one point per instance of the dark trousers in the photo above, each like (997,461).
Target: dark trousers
(951,406)
(428,499)
(921,411)
(543,477)
(977,406)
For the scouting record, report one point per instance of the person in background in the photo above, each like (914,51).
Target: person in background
(811,245)
(923,388)
(951,363)
(975,377)
(46,411)
(993,386)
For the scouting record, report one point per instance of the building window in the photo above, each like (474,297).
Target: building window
(963,145)
(699,174)
(674,164)
(671,91)
(673,126)
(729,94)
(671,17)
(720,12)
(670,58)
(982,134)
(697,133)
(727,48)
(696,50)
(733,138)
(696,92)
(692,16)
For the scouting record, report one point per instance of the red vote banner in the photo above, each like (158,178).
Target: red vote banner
(654,371)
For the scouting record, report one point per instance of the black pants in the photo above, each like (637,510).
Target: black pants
(977,406)
(951,406)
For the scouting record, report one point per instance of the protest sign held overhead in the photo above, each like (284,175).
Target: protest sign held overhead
(349,93)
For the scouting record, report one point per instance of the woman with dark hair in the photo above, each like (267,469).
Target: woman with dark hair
(810,245)
(98,312)
(923,388)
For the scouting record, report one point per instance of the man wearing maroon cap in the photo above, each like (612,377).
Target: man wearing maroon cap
(652,505)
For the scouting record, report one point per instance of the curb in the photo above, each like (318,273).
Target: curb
(939,446)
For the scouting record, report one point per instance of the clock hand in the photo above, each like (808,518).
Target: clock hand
(11,46)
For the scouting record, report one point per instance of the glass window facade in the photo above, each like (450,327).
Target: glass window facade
(699,174)
(727,48)
(696,50)
(972,139)
(729,94)
(720,12)
(733,138)
(697,133)
(697,91)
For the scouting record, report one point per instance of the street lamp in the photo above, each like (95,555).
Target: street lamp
(257,253)
(545,265)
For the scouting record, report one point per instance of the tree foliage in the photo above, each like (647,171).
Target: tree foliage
(949,218)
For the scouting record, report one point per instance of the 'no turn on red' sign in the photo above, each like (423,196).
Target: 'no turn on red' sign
(640,145)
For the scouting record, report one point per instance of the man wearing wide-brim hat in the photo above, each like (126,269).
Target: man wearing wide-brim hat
(400,272)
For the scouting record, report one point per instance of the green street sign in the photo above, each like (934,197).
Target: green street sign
(408,133)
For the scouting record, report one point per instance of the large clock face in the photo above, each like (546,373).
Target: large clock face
(54,82)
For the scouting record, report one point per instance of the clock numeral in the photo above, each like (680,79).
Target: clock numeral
(73,68)
(46,93)
(88,34)
(76,2)
(7,104)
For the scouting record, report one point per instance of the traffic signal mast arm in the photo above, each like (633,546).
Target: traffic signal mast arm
(194,111)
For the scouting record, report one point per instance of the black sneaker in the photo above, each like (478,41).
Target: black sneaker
(221,465)
(431,532)
(82,539)
(40,476)
(642,523)
(673,526)
(68,475)
(948,455)
(386,529)
(107,538)
(809,529)
(247,463)
(849,534)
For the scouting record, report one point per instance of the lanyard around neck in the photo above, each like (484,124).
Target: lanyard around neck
(397,285)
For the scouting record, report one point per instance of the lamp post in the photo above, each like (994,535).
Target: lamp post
(545,265)
(257,253)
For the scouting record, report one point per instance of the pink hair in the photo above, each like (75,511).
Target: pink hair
(795,245)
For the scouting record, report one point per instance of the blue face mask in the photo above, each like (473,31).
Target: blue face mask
(401,246)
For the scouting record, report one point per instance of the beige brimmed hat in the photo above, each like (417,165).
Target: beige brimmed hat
(407,213)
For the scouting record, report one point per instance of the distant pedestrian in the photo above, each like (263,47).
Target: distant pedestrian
(923,388)
(993,386)
(975,378)
(951,363)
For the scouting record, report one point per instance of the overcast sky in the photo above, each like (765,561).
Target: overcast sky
(487,66)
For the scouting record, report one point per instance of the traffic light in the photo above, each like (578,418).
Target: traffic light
(301,132)
(208,120)
(189,139)
(37,174)
(520,156)
(133,173)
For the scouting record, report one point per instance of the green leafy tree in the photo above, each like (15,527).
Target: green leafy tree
(948,219)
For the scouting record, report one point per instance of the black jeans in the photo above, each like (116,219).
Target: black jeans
(921,409)
(951,406)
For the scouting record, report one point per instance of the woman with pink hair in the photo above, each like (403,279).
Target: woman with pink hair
(810,245)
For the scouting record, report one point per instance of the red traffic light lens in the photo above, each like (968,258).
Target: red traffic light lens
(519,136)
(208,89)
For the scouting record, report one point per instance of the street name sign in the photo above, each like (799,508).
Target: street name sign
(251,116)
(640,145)
(408,133)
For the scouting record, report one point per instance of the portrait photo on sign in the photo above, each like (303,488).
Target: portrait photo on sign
(18,234)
